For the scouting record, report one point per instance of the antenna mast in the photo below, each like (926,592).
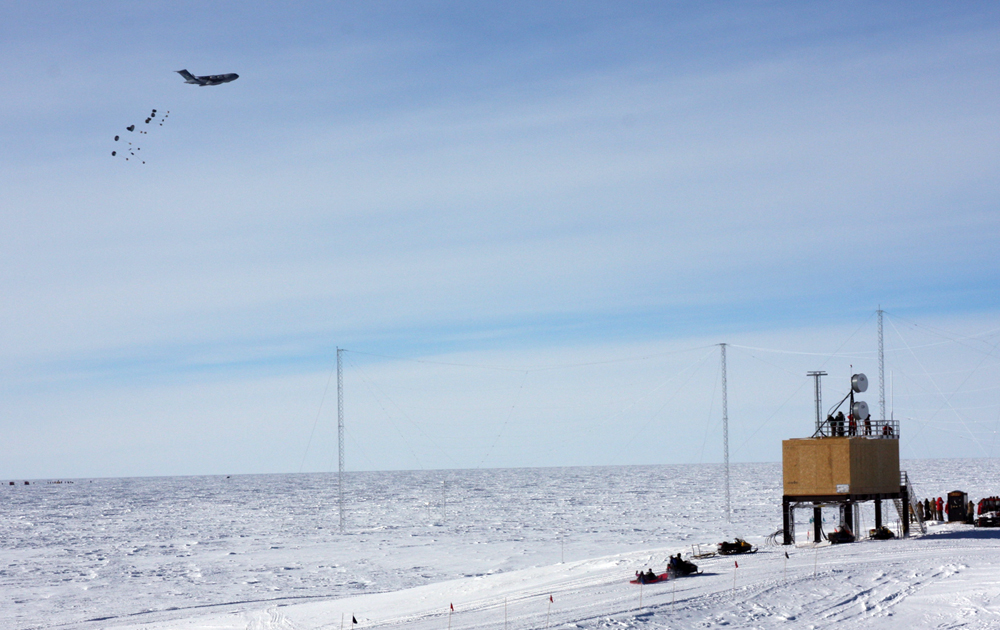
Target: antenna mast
(725,431)
(881,368)
(818,393)
(340,437)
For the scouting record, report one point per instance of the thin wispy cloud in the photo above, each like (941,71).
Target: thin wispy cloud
(438,180)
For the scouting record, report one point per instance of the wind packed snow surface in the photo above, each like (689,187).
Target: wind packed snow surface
(508,549)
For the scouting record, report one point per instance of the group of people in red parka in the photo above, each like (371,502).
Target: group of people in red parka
(932,509)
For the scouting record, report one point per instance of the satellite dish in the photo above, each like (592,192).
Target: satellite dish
(860,410)
(859,383)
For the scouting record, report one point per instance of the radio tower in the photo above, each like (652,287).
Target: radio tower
(340,437)
(725,431)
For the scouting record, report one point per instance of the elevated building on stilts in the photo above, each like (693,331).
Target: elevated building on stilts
(848,460)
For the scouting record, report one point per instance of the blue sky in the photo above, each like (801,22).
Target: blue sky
(518,185)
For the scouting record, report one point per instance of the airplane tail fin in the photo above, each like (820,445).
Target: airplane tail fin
(188,77)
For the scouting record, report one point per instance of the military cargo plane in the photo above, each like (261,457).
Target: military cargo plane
(212,79)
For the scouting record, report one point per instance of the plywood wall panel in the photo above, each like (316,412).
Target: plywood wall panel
(840,465)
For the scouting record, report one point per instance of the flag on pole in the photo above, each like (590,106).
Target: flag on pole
(550,599)
(786,555)
(354,619)
(452,607)
(737,565)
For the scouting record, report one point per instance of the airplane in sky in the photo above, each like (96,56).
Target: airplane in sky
(212,79)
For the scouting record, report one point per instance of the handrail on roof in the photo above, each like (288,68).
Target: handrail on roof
(872,429)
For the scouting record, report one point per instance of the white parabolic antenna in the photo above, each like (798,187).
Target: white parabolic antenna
(860,410)
(859,383)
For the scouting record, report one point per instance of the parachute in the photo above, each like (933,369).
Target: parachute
(131,128)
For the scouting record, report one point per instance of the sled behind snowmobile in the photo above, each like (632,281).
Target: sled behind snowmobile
(662,577)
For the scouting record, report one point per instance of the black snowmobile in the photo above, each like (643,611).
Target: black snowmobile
(680,568)
(840,535)
(882,533)
(738,547)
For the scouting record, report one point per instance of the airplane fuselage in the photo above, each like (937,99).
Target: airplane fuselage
(217,79)
(211,79)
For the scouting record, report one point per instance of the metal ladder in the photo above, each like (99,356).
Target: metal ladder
(904,480)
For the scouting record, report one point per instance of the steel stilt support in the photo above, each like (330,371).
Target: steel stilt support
(786,523)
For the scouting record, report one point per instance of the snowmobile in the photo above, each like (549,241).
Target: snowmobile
(840,535)
(681,568)
(733,548)
(882,533)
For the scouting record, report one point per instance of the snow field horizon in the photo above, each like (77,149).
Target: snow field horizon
(265,551)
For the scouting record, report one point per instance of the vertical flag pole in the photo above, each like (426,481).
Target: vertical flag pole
(450,611)
(547,613)
(504,613)
(734,577)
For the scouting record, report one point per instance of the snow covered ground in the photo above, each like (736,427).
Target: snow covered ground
(259,552)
